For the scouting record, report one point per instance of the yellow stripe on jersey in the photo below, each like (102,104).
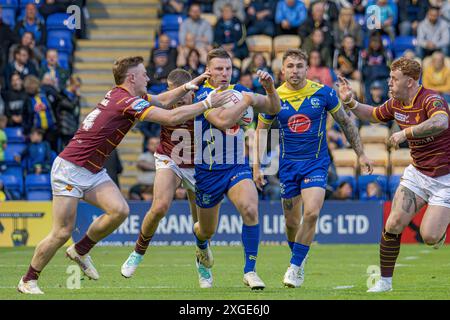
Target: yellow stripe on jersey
(439,112)
(374,114)
(144,114)
(42,114)
(296,97)
(335,109)
(263,120)
(208,85)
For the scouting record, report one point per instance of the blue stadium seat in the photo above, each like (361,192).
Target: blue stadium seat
(349,179)
(64,59)
(394,182)
(363,181)
(9,17)
(60,43)
(174,40)
(39,195)
(58,21)
(171,22)
(15,134)
(23,3)
(37,182)
(12,150)
(403,43)
(14,184)
(9,3)
(14,171)
(157,88)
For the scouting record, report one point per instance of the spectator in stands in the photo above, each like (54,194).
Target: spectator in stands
(290,14)
(37,154)
(193,66)
(36,52)
(206,5)
(114,167)
(7,38)
(358,5)
(432,34)
(331,10)
(52,6)
(148,130)
(410,54)
(141,192)
(258,62)
(317,71)
(237,7)
(346,25)
(164,45)
(159,70)
(260,17)
(180,194)
(51,66)
(246,80)
(21,65)
(33,24)
(375,61)
(198,27)
(15,101)
(184,50)
(346,63)
(229,33)
(4,193)
(373,191)
(174,6)
(411,12)
(436,76)
(386,17)
(3,139)
(68,110)
(316,21)
(146,163)
(316,41)
(377,94)
(343,192)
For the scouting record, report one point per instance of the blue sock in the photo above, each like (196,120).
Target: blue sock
(291,245)
(250,241)
(202,244)
(299,252)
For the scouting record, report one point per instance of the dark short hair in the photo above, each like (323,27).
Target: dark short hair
(179,77)
(121,66)
(217,53)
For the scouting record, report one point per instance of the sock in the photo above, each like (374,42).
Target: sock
(387,279)
(142,243)
(389,251)
(250,241)
(202,244)
(84,245)
(299,252)
(291,245)
(32,274)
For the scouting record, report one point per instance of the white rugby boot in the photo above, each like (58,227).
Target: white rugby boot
(294,277)
(205,278)
(29,287)
(131,264)
(85,262)
(252,280)
(205,257)
(381,285)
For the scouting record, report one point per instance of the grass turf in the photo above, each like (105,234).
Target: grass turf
(332,272)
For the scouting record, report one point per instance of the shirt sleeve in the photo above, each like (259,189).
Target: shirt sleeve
(137,107)
(435,104)
(266,118)
(384,112)
(333,103)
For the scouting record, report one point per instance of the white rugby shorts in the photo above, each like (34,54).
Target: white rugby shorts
(185,174)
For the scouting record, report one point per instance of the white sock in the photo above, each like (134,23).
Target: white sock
(296,268)
(387,279)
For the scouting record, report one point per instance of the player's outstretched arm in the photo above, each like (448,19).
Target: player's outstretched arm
(260,144)
(168,98)
(182,114)
(225,118)
(352,135)
(361,110)
(270,103)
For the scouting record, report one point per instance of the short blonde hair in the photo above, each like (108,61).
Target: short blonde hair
(121,66)
(408,67)
(297,53)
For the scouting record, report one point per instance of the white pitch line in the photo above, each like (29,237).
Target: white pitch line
(411,258)
(343,287)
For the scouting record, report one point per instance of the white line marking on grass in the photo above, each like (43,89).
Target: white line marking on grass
(343,287)
(411,258)
(425,251)
(402,265)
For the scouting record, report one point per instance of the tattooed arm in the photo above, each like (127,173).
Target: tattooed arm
(431,127)
(352,135)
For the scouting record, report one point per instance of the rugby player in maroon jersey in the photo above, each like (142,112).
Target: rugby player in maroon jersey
(423,116)
(78,172)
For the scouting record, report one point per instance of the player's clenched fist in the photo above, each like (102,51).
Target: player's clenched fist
(266,80)
(397,138)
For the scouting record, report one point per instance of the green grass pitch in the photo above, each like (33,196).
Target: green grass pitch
(332,272)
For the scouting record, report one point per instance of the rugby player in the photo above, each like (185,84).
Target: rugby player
(423,116)
(221,167)
(78,172)
(304,158)
(174,165)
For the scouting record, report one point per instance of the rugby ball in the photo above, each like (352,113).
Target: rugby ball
(247,116)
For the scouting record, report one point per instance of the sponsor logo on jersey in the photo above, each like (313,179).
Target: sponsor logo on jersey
(315,102)
(203,95)
(400,117)
(438,104)
(299,123)
(139,105)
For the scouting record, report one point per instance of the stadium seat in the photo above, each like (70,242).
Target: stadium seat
(394,182)
(259,43)
(403,43)
(356,87)
(380,170)
(64,59)
(37,182)
(345,171)
(12,150)
(23,3)
(398,170)
(284,42)
(39,195)
(9,17)
(401,157)
(14,171)
(380,157)
(9,3)
(344,158)
(14,184)
(374,134)
(171,22)
(174,39)
(157,88)
(15,134)
(237,63)
(211,18)
(60,44)
(363,181)
(57,21)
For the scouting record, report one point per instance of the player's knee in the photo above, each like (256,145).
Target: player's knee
(395,224)
(292,222)
(206,233)
(122,211)
(62,235)
(249,213)
(431,238)
(311,216)
(159,209)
